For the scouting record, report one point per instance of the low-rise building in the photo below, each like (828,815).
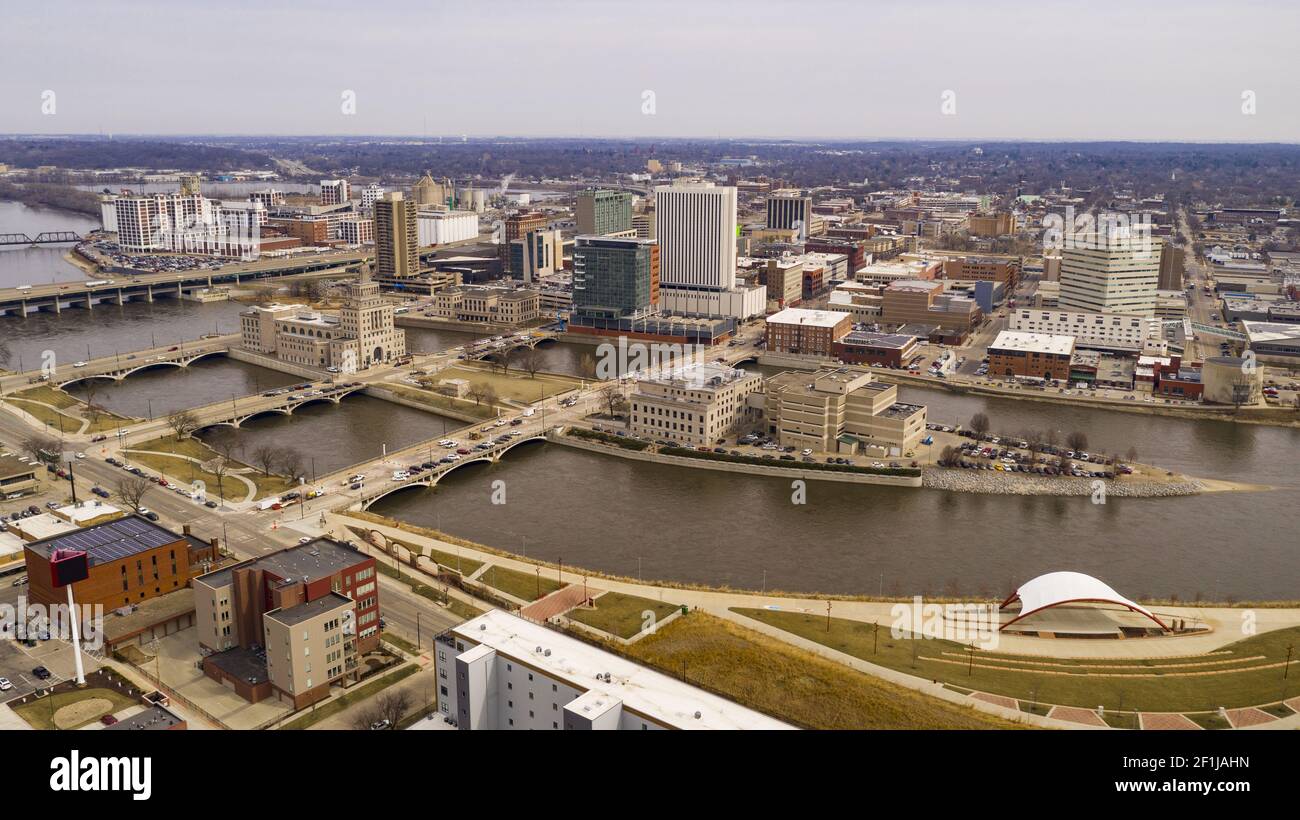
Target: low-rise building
(840,409)
(880,349)
(1014,354)
(806,332)
(289,624)
(695,405)
(1099,331)
(499,671)
(17,477)
(498,305)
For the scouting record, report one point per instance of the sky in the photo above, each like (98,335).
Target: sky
(819,69)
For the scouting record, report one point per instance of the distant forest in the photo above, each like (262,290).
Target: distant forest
(1227,174)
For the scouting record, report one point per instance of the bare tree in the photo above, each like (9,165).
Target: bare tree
(531,360)
(393,705)
(44,449)
(366,717)
(89,397)
(132,490)
(183,422)
(265,457)
(1077,441)
(979,424)
(1132,455)
(613,399)
(1035,440)
(478,392)
(290,463)
(1051,438)
(587,366)
(219,467)
(5,353)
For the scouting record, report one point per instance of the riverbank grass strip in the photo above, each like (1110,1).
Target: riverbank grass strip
(623,615)
(792,684)
(1245,673)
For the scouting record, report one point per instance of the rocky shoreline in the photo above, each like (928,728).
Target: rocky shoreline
(999,483)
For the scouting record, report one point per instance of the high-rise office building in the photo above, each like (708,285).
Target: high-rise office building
(335,191)
(615,277)
(696,231)
(790,210)
(604,213)
(397,236)
(696,228)
(1112,271)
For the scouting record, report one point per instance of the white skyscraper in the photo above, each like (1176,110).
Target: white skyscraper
(1113,271)
(697,235)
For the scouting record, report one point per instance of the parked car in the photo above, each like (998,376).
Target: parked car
(5,685)
(41,672)
(107,720)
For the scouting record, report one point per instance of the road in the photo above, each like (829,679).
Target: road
(244,534)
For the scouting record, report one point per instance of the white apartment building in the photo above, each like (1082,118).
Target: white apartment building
(694,405)
(187,223)
(500,671)
(1112,272)
(1105,331)
(370,194)
(443,227)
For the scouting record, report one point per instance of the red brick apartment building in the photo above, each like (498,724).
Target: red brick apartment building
(806,332)
(1030,355)
(290,624)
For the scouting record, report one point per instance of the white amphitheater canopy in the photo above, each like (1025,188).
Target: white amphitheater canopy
(1056,588)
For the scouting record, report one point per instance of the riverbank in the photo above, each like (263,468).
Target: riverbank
(1001,483)
(1265,416)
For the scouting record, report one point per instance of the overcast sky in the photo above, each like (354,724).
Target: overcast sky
(794,68)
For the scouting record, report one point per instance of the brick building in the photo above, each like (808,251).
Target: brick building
(1030,355)
(806,332)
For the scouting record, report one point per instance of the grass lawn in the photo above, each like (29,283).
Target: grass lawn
(354,695)
(620,614)
(1156,685)
(437,401)
(399,642)
(65,401)
(185,471)
(39,712)
(1210,720)
(525,586)
(516,384)
(791,684)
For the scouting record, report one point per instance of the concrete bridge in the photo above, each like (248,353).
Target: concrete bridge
(235,412)
(430,478)
(483,348)
(122,368)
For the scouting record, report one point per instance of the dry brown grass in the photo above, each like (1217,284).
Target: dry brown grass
(792,684)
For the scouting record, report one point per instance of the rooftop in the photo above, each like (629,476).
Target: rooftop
(1033,343)
(650,693)
(802,316)
(306,611)
(866,337)
(110,541)
(318,558)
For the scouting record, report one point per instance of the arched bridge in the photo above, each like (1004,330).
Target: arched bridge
(483,348)
(233,414)
(125,367)
(42,238)
(430,478)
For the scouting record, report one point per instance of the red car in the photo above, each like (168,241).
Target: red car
(108,720)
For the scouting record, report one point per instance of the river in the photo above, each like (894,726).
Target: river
(690,525)
(41,264)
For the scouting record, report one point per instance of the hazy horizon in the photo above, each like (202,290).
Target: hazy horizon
(830,71)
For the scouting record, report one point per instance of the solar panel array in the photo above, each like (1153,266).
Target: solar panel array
(115,539)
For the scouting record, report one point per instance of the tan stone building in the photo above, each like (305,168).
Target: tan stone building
(841,409)
(695,405)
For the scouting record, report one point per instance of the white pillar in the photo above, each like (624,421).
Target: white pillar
(76,638)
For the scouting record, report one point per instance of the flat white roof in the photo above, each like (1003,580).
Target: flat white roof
(1033,342)
(803,316)
(655,695)
(1270,331)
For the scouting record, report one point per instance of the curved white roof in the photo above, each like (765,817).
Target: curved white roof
(1056,588)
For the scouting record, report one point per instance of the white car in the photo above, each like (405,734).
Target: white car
(446,443)
(81,455)
(401,475)
(79,364)
(5,685)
